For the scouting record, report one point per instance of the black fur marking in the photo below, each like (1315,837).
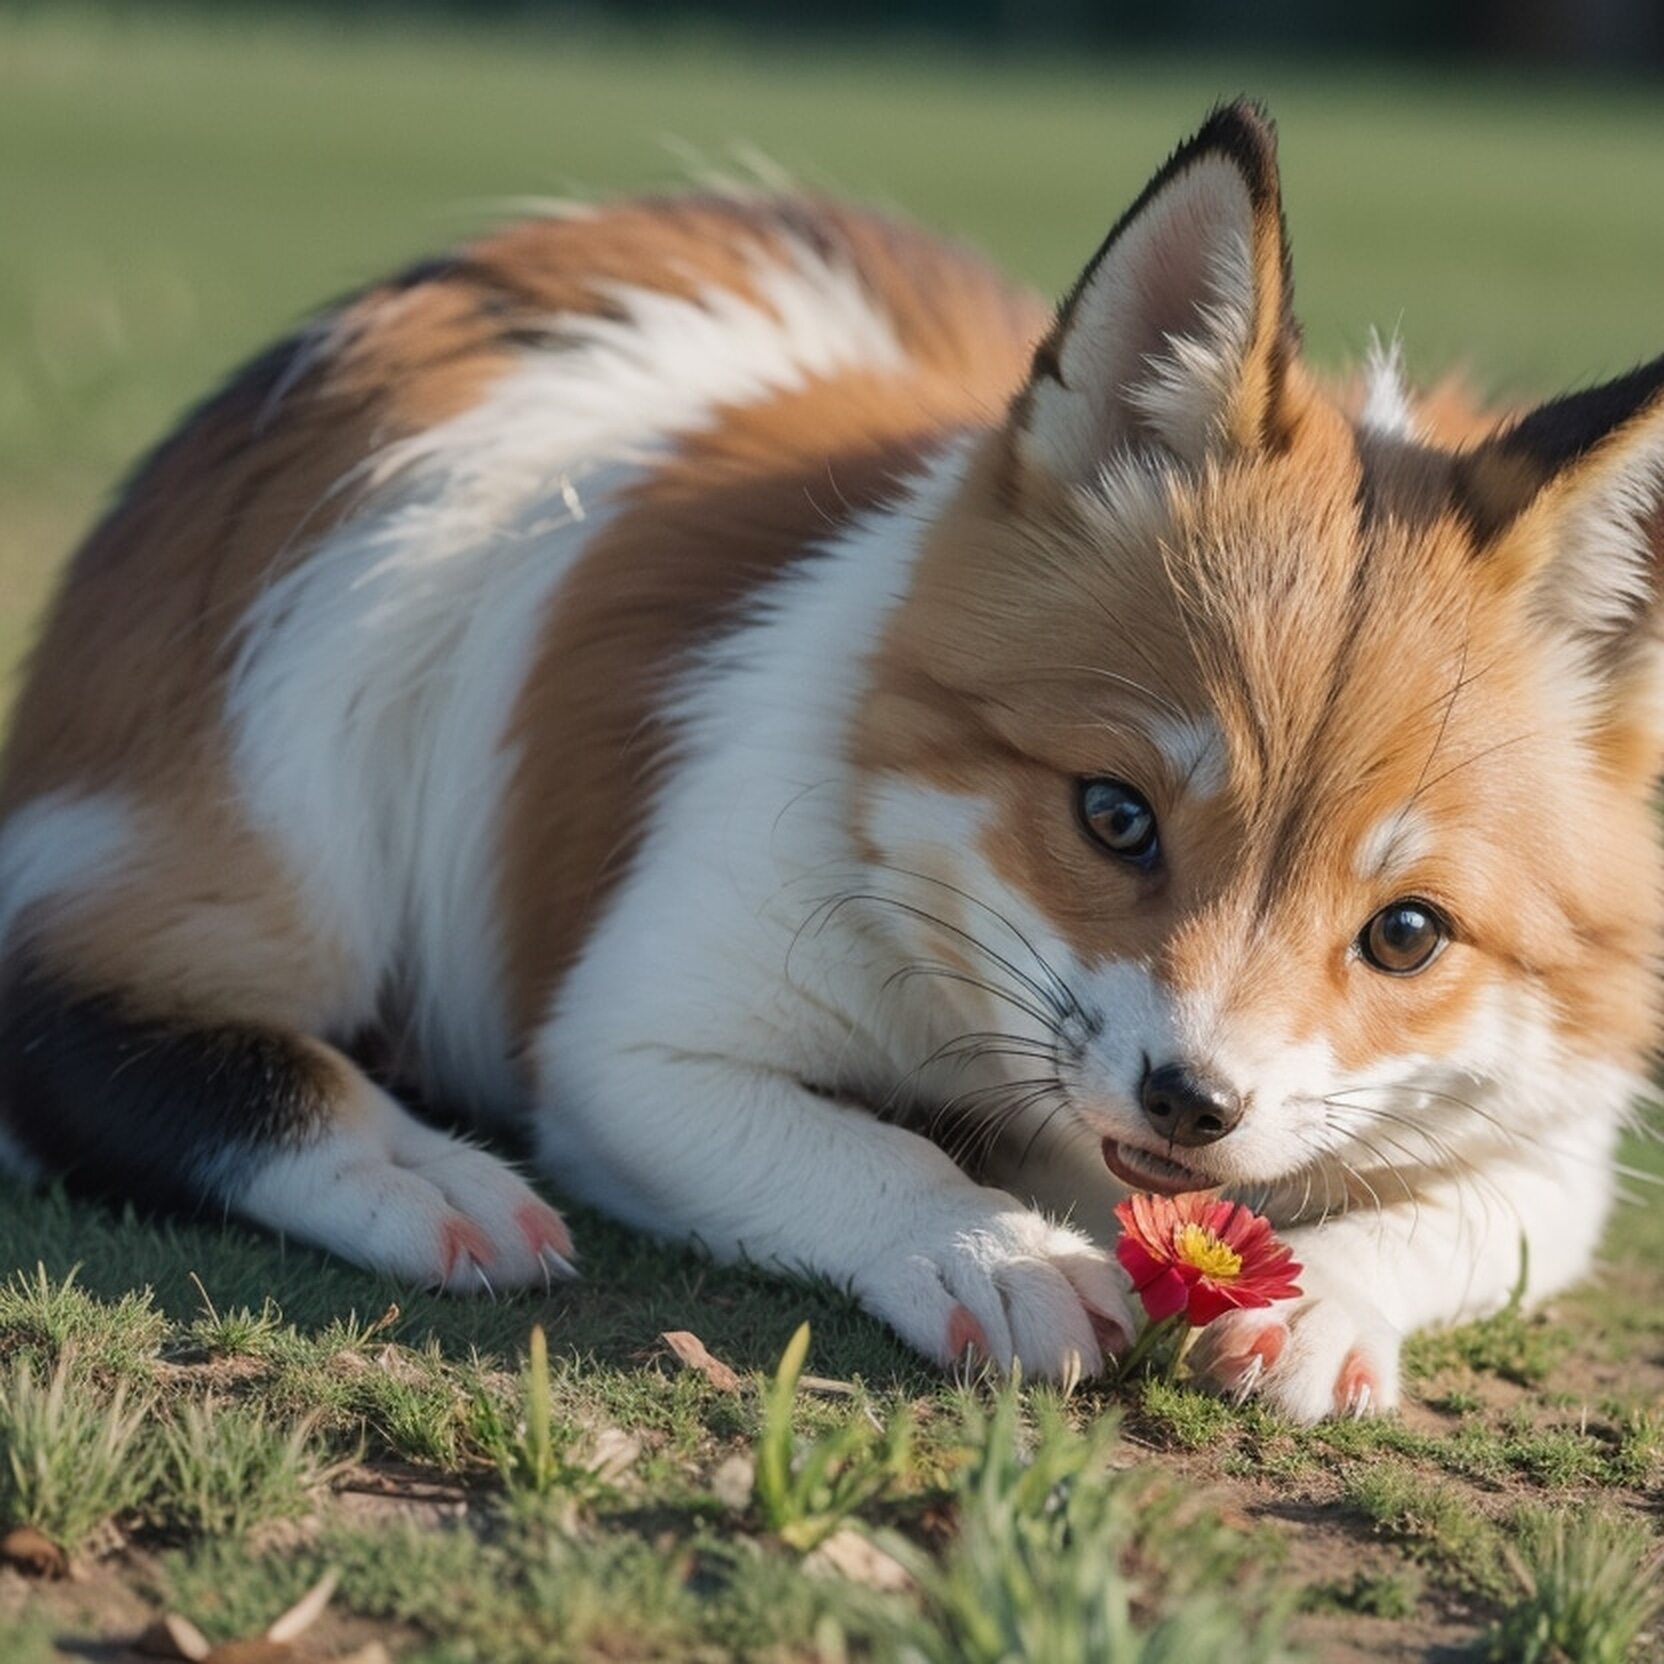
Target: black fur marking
(152,1110)
(1559,432)
(1546,442)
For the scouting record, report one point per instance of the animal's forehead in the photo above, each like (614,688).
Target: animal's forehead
(1331,649)
(1328,667)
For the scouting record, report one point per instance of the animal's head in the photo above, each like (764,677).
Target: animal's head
(1285,778)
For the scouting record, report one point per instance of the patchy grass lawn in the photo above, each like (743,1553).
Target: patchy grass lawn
(208,1422)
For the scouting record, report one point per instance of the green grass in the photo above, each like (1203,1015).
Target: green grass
(229,1467)
(44,1317)
(1375,1595)
(70,1455)
(1435,1521)
(803,1493)
(1058,1557)
(1593,1588)
(212,1419)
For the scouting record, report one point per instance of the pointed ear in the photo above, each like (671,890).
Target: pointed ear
(1178,334)
(1570,500)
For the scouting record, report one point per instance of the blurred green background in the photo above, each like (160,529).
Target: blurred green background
(176,187)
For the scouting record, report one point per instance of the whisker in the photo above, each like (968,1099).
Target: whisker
(985,1130)
(950,973)
(1045,1121)
(925,916)
(1065,994)
(1449,1166)
(1512,1135)
(973,1044)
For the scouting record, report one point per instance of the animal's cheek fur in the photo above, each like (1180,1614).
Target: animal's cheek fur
(1366,1015)
(1102,907)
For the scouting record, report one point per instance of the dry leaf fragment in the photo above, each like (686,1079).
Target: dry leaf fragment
(690,1349)
(33,1553)
(825,1387)
(306,1611)
(173,1636)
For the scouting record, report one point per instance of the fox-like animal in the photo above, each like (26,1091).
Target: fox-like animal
(861,771)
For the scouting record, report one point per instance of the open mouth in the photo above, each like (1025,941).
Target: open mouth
(1144,1170)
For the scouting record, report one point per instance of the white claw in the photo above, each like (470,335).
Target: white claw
(1249,1378)
(559,1264)
(485,1281)
(1363,1399)
(1073,1370)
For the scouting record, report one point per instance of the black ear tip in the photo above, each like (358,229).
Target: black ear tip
(1244,130)
(1248,110)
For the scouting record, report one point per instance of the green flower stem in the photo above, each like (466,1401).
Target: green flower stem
(1182,1351)
(1154,1336)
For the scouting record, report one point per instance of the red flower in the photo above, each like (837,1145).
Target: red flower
(1200,1256)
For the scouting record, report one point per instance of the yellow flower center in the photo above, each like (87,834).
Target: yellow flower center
(1202,1249)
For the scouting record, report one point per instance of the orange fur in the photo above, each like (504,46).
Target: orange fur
(1354,665)
(1202,684)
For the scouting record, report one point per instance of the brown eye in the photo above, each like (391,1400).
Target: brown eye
(1119,819)
(1403,938)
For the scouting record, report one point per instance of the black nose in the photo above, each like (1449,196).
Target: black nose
(1189,1106)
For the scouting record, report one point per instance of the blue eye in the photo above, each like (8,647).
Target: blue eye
(1119,819)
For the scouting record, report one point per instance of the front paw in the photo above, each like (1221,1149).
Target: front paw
(981,1275)
(1329,1355)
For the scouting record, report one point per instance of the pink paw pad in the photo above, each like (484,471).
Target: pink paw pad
(1268,1345)
(965,1334)
(547,1236)
(458,1237)
(1242,1367)
(1358,1387)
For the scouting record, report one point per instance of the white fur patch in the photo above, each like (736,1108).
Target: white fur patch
(60,842)
(1189,383)
(1386,407)
(1602,575)
(750,949)
(1393,845)
(386,1191)
(1194,751)
(752,832)
(375,681)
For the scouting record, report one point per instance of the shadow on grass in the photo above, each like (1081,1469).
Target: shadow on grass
(630,1292)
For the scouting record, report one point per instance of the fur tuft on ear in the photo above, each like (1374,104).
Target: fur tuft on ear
(1570,499)
(1386,408)
(1178,334)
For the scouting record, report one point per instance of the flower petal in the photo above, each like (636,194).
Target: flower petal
(1208,1301)
(1155,1219)
(1148,1249)
(1126,1214)
(1139,1263)
(1167,1294)
(1217,1216)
